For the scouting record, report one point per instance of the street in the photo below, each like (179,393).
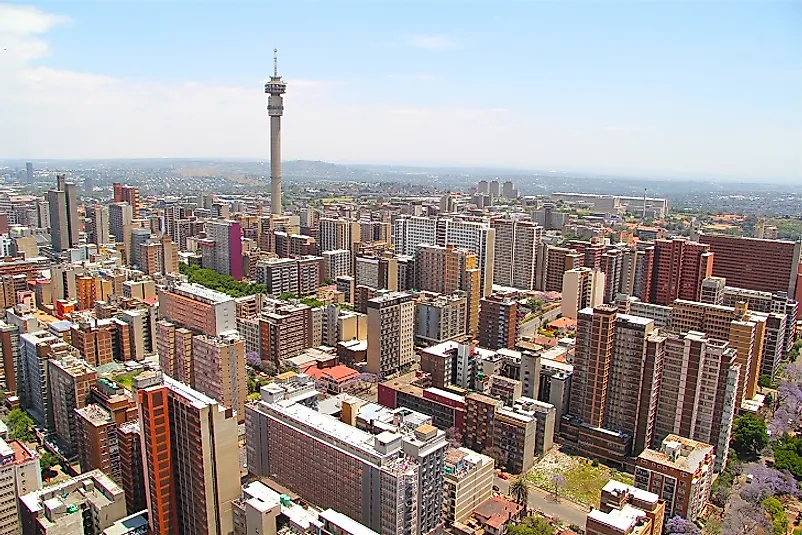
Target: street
(543,501)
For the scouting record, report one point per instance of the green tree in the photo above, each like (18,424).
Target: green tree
(749,436)
(788,455)
(286,296)
(20,425)
(46,462)
(531,525)
(519,489)
(779,520)
(764,381)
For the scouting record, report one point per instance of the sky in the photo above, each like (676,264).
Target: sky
(710,89)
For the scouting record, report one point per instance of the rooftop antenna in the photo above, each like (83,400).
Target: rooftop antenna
(275,62)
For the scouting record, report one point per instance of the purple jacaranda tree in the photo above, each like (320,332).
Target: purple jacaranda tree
(788,414)
(454,437)
(767,482)
(252,359)
(677,525)
(744,518)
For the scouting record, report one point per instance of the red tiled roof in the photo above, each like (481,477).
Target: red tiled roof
(338,374)
(496,511)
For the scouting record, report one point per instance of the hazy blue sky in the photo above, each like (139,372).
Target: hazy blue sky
(677,88)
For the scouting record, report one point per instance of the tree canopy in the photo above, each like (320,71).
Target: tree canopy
(749,436)
(531,525)
(20,425)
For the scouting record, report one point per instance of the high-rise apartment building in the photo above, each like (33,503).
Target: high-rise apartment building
(70,381)
(698,390)
(680,266)
(336,262)
(549,218)
(378,273)
(680,472)
(743,330)
(190,451)
(10,347)
(126,193)
(636,272)
(446,270)
(286,332)
(555,262)
(121,217)
(174,346)
(336,233)
(132,471)
(440,318)
(97,227)
(159,256)
(63,203)
(754,264)
(95,342)
(376,480)
(227,250)
(617,367)
(516,251)
(468,482)
(582,288)
(36,349)
(20,474)
(498,322)
(218,370)
(197,307)
(477,237)
(391,328)
(612,265)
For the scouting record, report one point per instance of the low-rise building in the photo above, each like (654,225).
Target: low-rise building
(468,482)
(626,510)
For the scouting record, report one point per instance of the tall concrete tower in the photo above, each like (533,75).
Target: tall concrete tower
(275,109)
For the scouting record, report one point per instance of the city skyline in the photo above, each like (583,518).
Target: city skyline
(705,90)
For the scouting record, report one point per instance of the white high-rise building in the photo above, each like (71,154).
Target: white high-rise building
(516,247)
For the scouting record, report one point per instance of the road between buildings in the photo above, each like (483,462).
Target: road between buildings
(543,502)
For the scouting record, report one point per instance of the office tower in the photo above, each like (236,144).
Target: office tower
(191,457)
(197,307)
(440,318)
(744,331)
(764,265)
(391,328)
(349,461)
(63,204)
(582,287)
(70,380)
(20,474)
(498,322)
(636,272)
(409,232)
(549,218)
(275,87)
(376,273)
(29,171)
(132,472)
(87,503)
(516,250)
(680,472)
(120,225)
(483,187)
(34,387)
(10,347)
(495,188)
(285,332)
(139,237)
(712,291)
(129,194)
(616,376)
(698,389)
(556,261)
(626,510)
(218,370)
(468,482)
(680,266)
(335,263)
(97,227)
(337,233)
(227,236)
(509,190)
